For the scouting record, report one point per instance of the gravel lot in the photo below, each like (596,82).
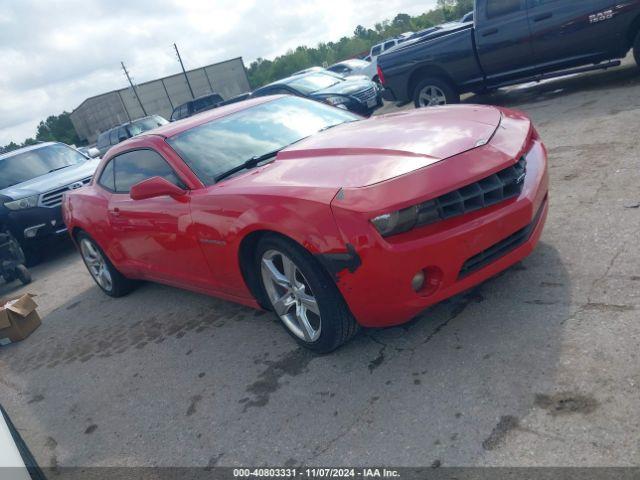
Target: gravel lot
(538,366)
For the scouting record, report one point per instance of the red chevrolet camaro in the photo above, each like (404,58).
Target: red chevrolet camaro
(330,220)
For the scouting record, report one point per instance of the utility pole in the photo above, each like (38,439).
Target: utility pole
(184,71)
(135,91)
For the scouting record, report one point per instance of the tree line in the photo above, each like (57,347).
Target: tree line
(262,71)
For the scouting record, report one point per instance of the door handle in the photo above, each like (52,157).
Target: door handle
(491,31)
(542,16)
(115,211)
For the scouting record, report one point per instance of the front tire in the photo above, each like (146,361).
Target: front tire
(303,296)
(434,92)
(23,274)
(106,276)
(636,49)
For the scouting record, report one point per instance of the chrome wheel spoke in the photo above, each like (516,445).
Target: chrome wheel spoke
(289,271)
(283,304)
(308,331)
(309,303)
(278,278)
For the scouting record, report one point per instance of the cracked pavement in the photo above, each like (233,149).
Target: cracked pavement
(538,366)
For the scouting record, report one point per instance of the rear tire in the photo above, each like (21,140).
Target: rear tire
(23,274)
(433,92)
(636,49)
(303,295)
(106,276)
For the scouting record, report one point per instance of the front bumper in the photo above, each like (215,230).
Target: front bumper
(42,223)
(388,95)
(455,254)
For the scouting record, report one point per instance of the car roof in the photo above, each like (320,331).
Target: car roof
(212,94)
(351,61)
(27,149)
(179,126)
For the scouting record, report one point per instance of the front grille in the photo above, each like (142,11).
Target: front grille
(489,191)
(365,95)
(53,198)
(501,248)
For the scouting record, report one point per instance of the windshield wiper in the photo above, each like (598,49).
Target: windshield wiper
(251,163)
(59,168)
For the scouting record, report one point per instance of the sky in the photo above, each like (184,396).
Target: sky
(56,53)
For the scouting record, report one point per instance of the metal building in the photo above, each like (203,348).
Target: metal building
(99,113)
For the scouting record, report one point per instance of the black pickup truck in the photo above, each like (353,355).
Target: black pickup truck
(510,42)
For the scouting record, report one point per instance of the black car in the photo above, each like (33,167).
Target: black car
(32,182)
(197,105)
(358,94)
(511,42)
(118,134)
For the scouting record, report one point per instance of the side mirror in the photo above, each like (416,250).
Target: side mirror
(155,187)
(93,152)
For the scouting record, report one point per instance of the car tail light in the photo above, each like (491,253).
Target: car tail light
(380,75)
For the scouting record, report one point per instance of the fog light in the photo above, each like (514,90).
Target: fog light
(31,232)
(418,281)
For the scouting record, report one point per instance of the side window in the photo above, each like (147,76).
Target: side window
(122,134)
(107,179)
(113,136)
(103,140)
(376,50)
(138,165)
(388,45)
(497,8)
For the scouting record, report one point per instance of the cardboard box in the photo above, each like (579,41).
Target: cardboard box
(18,318)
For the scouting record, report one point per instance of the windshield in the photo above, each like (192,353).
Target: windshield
(222,144)
(35,163)
(314,82)
(142,125)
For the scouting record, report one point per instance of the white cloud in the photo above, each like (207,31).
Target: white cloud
(56,54)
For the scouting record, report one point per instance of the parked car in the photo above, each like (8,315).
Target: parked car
(89,151)
(118,134)
(197,105)
(32,182)
(16,460)
(510,42)
(237,98)
(309,70)
(358,95)
(354,66)
(389,44)
(467,17)
(328,219)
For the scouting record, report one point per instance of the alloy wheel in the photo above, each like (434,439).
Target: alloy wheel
(432,96)
(291,295)
(96,264)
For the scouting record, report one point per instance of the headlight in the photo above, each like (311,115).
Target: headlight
(21,204)
(396,222)
(336,101)
(404,220)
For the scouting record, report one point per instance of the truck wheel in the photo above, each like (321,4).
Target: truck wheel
(433,92)
(110,280)
(303,295)
(636,49)
(23,274)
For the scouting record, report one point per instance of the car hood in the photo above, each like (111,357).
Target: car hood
(349,86)
(370,151)
(52,180)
